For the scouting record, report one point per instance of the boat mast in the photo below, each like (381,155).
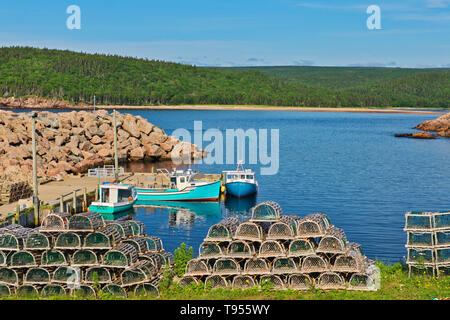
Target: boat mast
(116,156)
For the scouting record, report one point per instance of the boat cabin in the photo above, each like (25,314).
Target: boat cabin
(116,193)
(246,175)
(180,179)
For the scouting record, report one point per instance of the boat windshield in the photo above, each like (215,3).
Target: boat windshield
(124,195)
(105,195)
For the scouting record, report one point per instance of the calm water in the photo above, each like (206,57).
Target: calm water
(348,165)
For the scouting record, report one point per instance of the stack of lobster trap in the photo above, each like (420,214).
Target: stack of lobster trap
(428,241)
(80,254)
(11,192)
(286,250)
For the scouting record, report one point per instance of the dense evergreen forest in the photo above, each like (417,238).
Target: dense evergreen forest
(77,77)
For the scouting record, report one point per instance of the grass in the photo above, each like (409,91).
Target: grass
(395,285)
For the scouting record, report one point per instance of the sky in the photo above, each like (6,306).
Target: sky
(411,33)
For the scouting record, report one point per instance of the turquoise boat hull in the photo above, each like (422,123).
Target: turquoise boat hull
(241,189)
(199,208)
(112,213)
(207,192)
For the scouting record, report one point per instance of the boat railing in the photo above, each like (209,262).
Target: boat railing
(106,171)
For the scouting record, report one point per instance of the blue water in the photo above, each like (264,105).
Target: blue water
(348,165)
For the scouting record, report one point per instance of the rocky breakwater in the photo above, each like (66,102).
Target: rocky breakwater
(440,125)
(39,103)
(72,142)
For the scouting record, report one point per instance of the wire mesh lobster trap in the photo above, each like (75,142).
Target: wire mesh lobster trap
(418,221)
(216,281)
(441,220)
(285,229)
(300,281)
(198,267)
(334,241)
(83,290)
(14,239)
(85,222)
(143,271)
(224,230)
(68,240)
(330,281)
(365,280)
(266,211)
(56,221)
(66,275)
(443,256)
(284,266)
(10,276)
(212,250)
(105,238)
(85,258)
(226,266)
(314,263)
(39,241)
(37,276)
(251,231)
(240,249)
(187,281)
(25,259)
(115,290)
(122,256)
(167,257)
(138,227)
(313,225)
(243,282)
(274,280)
(52,258)
(156,259)
(442,238)
(123,226)
(5,290)
(27,291)
(154,244)
(271,248)
(257,266)
(301,247)
(139,243)
(10,227)
(419,239)
(147,289)
(101,275)
(351,261)
(53,289)
(421,256)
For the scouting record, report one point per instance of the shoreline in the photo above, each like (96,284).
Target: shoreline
(238,108)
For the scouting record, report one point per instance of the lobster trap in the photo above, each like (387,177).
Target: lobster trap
(419,239)
(156,259)
(198,267)
(25,259)
(313,225)
(140,273)
(105,238)
(300,281)
(257,266)
(240,249)
(224,230)
(187,281)
(217,281)
(85,258)
(123,226)
(330,281)
(243,282)
(37,276)
(5,290)
(314,263)
(442,238)
(421,256)
(284,266)
(212,250)
(14,239)
(53,289)
(301,247)
(154,244)
(351,261)
(443,256)
(68,240)
(138,227)
(39,241)
(67,275)
(251,231)
(271,248)
(85,222)
(121,256)
(147,289)
(167,257)
(334,241)
(52,258)
(226,266)
(273,280)
(365,280)
(54,222)
(284,229)
(139,243)
(10,276)
(115,290)
(27,291)
(266,211)
(418,221)
(101,275)
(441,220)
(84,290)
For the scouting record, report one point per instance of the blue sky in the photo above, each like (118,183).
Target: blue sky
(414,33)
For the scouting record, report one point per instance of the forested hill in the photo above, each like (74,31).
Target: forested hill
(77,77)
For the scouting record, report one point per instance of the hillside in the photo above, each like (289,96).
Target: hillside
(77,77)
